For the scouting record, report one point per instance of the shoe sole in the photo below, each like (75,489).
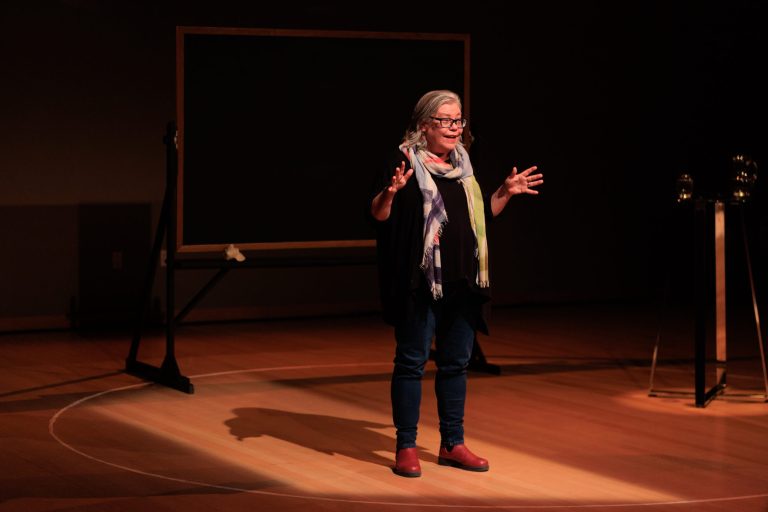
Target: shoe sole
(448,462)
(406,474)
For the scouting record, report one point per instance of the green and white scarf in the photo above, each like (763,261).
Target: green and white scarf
(425,165)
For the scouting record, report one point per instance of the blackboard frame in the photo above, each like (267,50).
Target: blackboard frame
(185,246)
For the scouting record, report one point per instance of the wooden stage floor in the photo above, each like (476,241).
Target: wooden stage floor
(295,415)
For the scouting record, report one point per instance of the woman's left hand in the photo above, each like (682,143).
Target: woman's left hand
(522,183)
(515,183)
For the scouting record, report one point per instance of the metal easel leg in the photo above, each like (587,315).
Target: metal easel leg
(168,374)
(755,309)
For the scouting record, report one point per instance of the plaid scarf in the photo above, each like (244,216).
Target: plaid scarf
(426,164)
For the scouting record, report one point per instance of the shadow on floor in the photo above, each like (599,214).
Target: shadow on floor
(325,434)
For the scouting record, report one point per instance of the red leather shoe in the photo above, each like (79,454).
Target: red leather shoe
(407,463)
(460,457)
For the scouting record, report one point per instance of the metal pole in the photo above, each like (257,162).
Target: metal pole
(700,290)
(721,339)
(755,308)
(154,259)
(170,366)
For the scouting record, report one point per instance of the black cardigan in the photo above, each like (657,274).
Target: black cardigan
(400,245)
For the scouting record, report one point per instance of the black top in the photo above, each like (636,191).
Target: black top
(400,245)
(457,242)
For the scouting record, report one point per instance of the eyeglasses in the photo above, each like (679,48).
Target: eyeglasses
(447,122)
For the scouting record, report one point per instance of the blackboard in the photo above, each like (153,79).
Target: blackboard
(282,131)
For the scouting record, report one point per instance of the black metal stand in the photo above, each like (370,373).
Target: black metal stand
(168,373)
(709,298)
(702,292)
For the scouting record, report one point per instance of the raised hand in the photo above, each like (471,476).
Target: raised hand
(515,183)
(381,205)
(523,182)
(399,179)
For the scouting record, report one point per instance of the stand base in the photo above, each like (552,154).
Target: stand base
(717,392)
(163,375)
(700,401)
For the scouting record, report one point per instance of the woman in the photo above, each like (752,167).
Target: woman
(433,269)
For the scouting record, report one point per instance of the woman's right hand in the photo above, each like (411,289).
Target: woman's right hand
(399,179)
(382,203)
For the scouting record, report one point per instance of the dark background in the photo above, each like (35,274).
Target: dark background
(611,100)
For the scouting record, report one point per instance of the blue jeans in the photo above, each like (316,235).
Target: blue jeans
(450,322)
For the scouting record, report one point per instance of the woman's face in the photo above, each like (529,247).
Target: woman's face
(441,141)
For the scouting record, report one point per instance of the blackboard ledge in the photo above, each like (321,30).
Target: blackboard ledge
(276,246)
(283,257)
